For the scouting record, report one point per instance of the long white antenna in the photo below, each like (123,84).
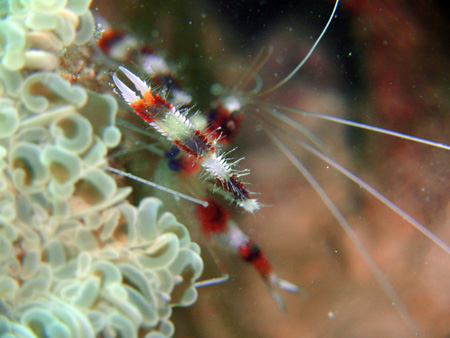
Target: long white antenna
(157,186)
(355,124)
(379,275)
(291,74)
(419,226)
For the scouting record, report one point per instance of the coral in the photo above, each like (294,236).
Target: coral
(76,259)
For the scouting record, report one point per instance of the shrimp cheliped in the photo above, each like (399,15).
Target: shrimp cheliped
(175,126)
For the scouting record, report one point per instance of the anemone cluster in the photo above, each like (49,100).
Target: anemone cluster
(76,259)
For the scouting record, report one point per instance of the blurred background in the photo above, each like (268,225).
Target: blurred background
(384,63)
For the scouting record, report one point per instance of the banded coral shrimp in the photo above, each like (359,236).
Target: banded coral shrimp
(343,298)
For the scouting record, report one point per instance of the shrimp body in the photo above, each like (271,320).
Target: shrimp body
(225,120)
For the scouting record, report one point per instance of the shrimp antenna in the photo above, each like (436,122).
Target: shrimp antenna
(416,224)
(157,186)
(291,74)
(339,120)
(256,65)
(381,278)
